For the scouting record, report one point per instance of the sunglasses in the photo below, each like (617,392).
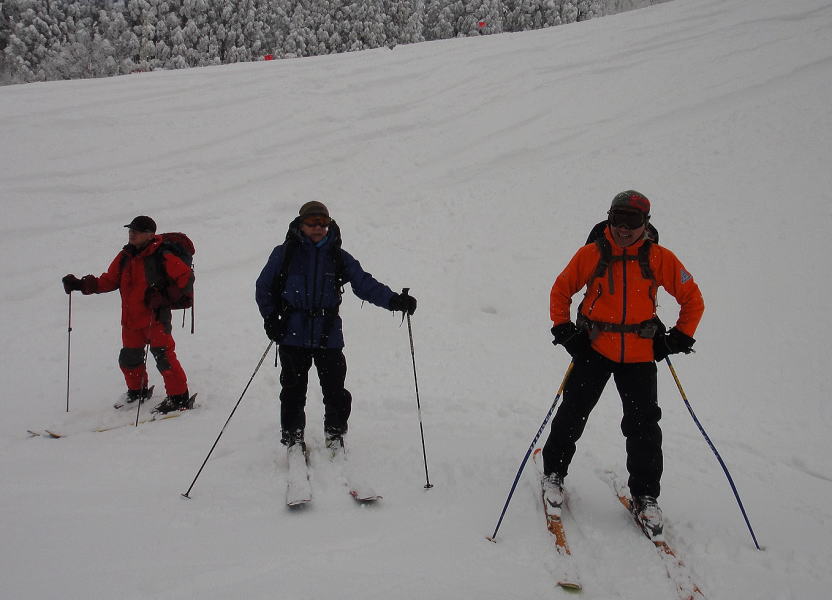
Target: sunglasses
(627,219)
(317,222)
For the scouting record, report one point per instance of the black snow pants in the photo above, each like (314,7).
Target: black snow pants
(636,383)
(331,365)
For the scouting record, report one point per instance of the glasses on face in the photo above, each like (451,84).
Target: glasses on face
(627,219)
(317,222)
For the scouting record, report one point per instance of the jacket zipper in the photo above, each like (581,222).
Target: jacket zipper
(314,298)
(623,299)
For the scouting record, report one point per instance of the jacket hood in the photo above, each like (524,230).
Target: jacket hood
(294,234)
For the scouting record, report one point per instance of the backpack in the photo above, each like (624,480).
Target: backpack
(181,246)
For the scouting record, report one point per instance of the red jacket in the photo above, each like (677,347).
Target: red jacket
(127,273)
(631,300)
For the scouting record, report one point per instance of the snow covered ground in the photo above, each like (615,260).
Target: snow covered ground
(470,171)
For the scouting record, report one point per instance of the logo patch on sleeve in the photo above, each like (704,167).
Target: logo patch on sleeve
(685,276)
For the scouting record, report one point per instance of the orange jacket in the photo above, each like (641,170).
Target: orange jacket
(632,299)
(127,274)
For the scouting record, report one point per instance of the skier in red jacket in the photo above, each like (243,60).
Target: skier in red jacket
(145,311)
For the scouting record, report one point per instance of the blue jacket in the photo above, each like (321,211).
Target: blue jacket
(311,291)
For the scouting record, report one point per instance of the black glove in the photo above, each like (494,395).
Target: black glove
(71,283)
(272,326)
(89,285)
(575,340)
(403,302)
(673,342)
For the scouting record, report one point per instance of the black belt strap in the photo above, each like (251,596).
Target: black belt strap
(645,329)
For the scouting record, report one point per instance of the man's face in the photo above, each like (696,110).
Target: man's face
(315,227)
(627,227)
(139,239)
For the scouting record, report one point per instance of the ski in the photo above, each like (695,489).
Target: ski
(48,433)
(677,571)
(298,487)
(151,419)
(44,433)
(568,578)
(358,490)
(125,401)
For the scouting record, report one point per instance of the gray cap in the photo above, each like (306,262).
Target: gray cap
(313,208)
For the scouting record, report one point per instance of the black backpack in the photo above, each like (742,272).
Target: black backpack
(181,246)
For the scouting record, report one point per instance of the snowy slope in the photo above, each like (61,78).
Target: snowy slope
(470,171)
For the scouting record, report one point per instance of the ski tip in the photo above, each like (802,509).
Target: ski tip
(365,499)
(570,586)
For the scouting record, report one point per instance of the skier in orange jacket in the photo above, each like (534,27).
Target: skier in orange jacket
(617,333)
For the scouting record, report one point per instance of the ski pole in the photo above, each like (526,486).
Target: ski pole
(493,536)
(257,368)
(428,484)
(718,457)
(144,385)
(68,348)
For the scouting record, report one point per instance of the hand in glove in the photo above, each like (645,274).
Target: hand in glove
(89,285)
(403,303)
(71,284)
(575,340)
(272,326)
(673,342)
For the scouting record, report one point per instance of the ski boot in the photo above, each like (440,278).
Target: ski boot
(175,402)
(334,442)
(649,515)
(290,438)
(553,494)
(130,396)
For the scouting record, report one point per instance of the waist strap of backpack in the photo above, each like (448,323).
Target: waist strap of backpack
(315,312)
(645,329)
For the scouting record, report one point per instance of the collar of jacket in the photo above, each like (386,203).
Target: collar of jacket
(150,248)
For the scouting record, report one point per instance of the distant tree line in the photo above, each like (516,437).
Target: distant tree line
(69,39)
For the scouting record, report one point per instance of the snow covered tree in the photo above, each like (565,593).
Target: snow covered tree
(405,21)
(440,22)
(480,17)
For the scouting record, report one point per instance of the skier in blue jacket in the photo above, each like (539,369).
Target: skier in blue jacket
(299,300)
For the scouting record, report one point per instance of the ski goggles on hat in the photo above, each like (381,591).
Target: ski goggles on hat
(627,219)
(317,221)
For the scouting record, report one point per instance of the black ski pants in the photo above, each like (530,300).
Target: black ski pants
(636,383)
(331,365)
